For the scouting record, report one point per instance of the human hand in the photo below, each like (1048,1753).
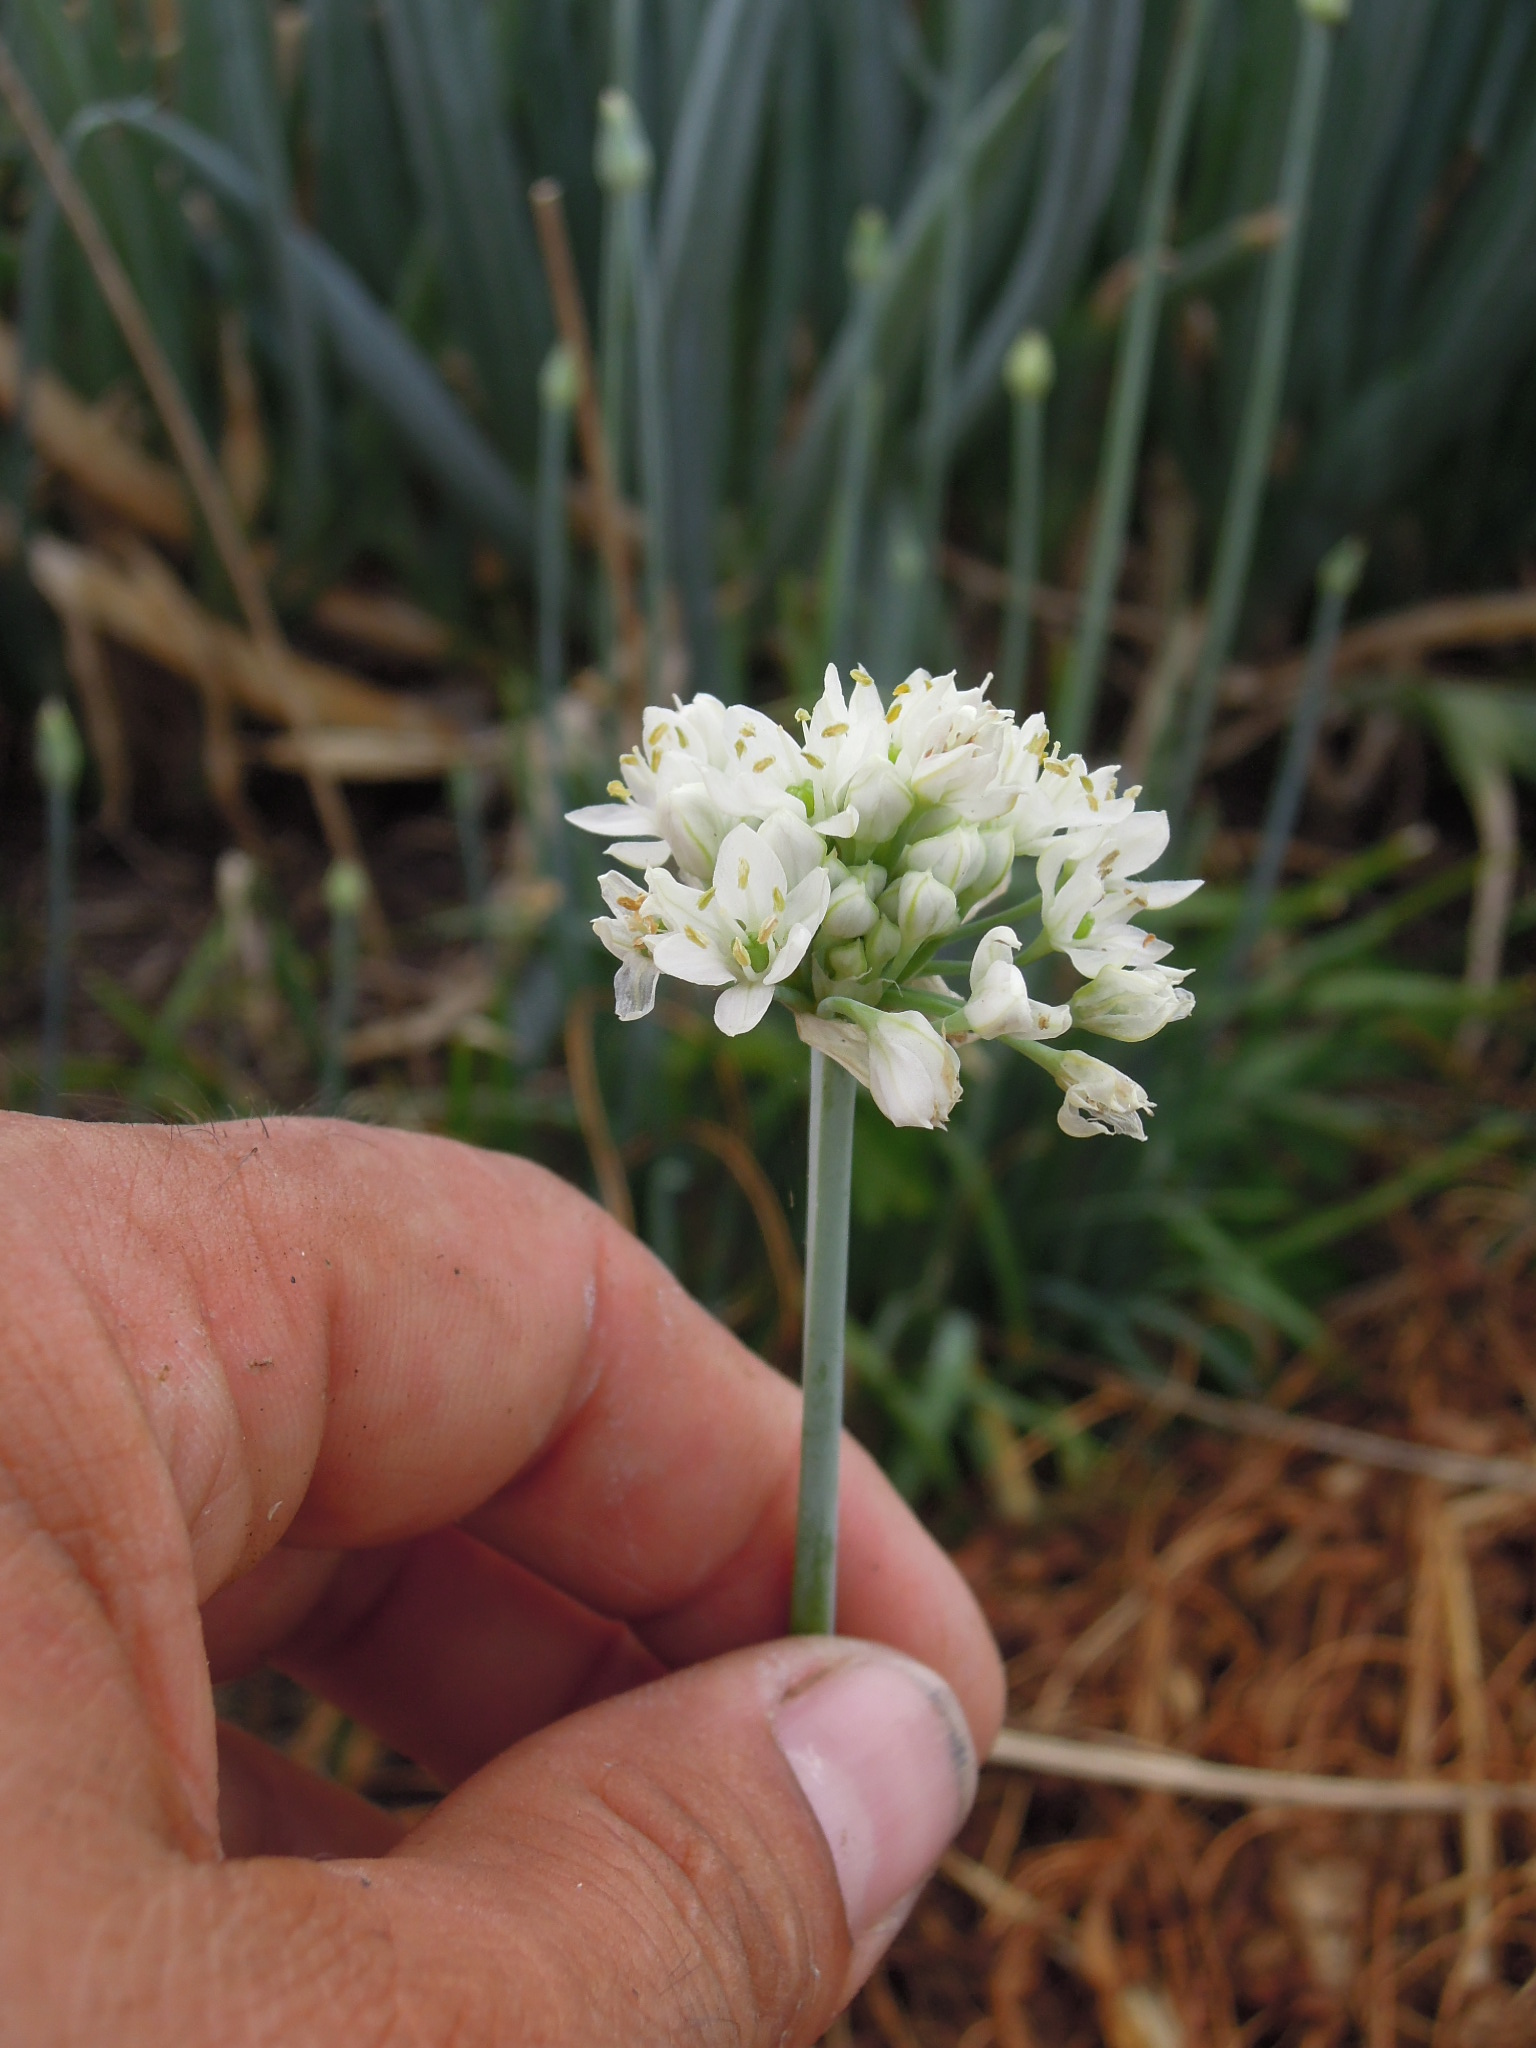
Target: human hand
(420,1426)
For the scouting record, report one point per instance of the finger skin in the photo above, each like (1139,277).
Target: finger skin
(270,1806)
(261,1367)
(329,1336)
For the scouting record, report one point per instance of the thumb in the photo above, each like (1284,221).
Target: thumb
(721,1855)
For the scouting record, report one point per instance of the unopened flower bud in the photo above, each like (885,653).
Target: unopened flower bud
(1331,13)
(907,1067)
(868,242)
(1029,368)
(1131,1003)
(1342,567)
(559,380)
(623,158)
(58,754)
(922,907)
(955,857)
(345,888)
(848,962)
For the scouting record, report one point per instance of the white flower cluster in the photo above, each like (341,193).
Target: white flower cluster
(832,870)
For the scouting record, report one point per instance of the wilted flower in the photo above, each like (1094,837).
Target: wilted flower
(627,934)
(1101,1101)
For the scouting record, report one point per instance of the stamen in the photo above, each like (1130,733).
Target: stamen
(759,766)
(707,898)
(689,932)
(743,874)
(766,930)
(815,760)
(740,954)
(778,899)
(620,790)
(835,732)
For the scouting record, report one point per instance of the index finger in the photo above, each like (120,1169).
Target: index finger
(377,1333)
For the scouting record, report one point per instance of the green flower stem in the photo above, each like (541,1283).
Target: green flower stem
(59,760)
(346,889)
(466,797)
(557,400)
(1266,385)
(651,385)
(1337,579)
(947,312)
(866,266)
(1023,551)
(1133,376)
(813,1607)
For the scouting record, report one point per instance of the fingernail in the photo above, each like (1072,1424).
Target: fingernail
(884,1758)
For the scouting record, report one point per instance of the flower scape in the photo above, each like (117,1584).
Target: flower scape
(848,872)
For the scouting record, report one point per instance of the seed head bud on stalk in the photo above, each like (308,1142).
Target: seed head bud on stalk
(833,873)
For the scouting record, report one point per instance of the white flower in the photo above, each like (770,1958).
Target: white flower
(1000,1005)
(850,783)
(1101,1101)
(913,1075)
(750,929)
(701,769)
(1089,899)
(1132,1003)
(949,745)
(1056,801)
(627,934)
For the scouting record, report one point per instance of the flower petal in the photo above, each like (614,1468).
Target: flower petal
(742,1006)
(676,954)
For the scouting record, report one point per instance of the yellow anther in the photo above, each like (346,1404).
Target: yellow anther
(902,690)
(741,748)
(835,732)
(759,766)
(743,874)
(802,716)
(631,903)
(619,790)
(778,899)
(863,677)
(740,954)
(1056,767)
(893,714)
(766,930)
(655,759)
(706,899)
(815,760)
(689,932)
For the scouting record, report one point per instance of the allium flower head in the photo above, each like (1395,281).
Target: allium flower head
(846,869)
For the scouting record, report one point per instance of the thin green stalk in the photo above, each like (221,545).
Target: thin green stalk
(1133,376)
(1321,20)
(866,265)
(346,890)
(948,309)
(813,1608)
(1337,578)
(557,399)
(625,168)
(1029,372)
(651,383)
(466,795)
(59,759)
